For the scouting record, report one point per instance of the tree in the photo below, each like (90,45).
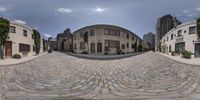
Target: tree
(4,30)
(86,39)
(37,41)
(198,26)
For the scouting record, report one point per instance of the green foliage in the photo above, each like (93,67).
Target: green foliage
(4,30)
(37,41)
(17,56)
(186,54)
(198,26)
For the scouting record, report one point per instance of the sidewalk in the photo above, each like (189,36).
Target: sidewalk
(192,61)
(103,57)
(11,61)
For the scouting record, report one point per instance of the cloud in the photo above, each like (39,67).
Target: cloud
(47,35)
(20,21)
(190,15)
(185,11)
(63,10)
(198,9)
(3,9)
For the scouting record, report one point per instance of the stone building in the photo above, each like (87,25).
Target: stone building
(52,43)
(149,38)
(106,39)
(65,41)
(183,37)
(163,25)
(20,41)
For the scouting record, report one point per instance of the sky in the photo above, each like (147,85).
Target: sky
(50,17)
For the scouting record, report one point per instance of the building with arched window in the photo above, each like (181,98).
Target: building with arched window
(106,39)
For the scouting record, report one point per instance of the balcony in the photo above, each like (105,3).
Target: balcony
(179,39)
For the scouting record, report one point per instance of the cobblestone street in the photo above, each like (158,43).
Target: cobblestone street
(149,76)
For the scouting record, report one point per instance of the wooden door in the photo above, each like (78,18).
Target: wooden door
(8,49)
(99,47)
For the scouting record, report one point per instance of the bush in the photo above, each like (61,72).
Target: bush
(186,54)
(106,53)
(173,53)
(17,56)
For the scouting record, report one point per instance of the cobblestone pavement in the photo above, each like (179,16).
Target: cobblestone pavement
(149,76)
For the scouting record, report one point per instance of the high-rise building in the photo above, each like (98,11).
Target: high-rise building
(164,24)
(149,38)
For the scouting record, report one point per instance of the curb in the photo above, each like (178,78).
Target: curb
(18,63)
(103,57)
(197,65)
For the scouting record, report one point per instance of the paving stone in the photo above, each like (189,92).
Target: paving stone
(148,75)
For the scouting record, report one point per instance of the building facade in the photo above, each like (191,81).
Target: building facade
(65,41)
(163,25)
(183,37)
(52,43)
(20,40)
(106,39)
(149,38)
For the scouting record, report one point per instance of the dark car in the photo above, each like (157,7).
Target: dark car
(50,51)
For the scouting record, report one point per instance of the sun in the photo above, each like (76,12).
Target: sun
(99,10)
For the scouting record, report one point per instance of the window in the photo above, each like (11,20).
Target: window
(133,38)
(179,47)
(167,38)
(127,36)
(132,46)
(172,36)
(12,29)
(106,31)
(81,34)
(123,46)
(112,32)
(92,32)
(179,33)
(24,47)
(127,45)
(32,36)
(112,43)
(82,45)
(192,30)
(25,33)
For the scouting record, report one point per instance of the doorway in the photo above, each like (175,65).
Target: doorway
(8,49)
(197,50)
(92,47)
(99,47)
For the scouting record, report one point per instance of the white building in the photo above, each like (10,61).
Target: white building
(20,41)
(183,37)
(106,39)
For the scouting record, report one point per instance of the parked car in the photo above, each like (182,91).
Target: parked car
(50,51)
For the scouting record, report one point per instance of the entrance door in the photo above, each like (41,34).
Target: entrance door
(197,50)
(92,47)
(99,47)
(8,49)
